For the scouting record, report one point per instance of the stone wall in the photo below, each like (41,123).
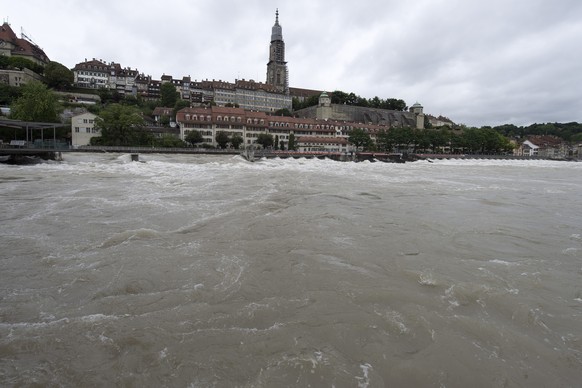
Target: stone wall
(360,114)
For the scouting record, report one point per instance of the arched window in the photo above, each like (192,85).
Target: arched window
(218,118)
(208,118)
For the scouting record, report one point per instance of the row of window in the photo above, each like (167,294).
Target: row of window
(86,130)
(273,124)
(92,74)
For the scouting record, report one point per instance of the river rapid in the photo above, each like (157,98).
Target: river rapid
(211,271)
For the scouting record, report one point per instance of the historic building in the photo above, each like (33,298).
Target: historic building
(321,135)
(545,146)
(277,73)
(96,74)
(13,46)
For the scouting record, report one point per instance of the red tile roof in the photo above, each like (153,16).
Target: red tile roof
(22,47)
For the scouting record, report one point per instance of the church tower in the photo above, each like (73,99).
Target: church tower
(277,74)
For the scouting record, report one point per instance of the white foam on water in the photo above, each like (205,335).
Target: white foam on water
(503,262)
(364,380)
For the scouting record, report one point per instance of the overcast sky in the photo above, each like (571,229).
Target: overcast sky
(478,62)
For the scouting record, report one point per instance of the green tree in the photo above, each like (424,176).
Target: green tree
(393,104)
(402,136)
(276,142)
(8,94)
(282,145)
(265,139)
(23,63)
(37,103)
(58,76)
(339,97)
(283,112)
(384,141)
(180,104)
(165,120)
(222,139)
(169,141)
(194,137)
(291,145)
(120,125)
(129,99)
(169,95)
(359,138)
(310,101)
(109,96)
(236,140)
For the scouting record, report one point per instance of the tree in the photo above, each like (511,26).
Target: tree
(181,104)
(119,124)
(8,94)
(282,145)
(310,101)
(108,96)
(169,141)
(58,76)
(395,104)
(385,141)
(37,103)
(276,142)
(194,137)
(291,144)
(132,100)
(359,138)
(169,95)
(165,120)
(402,136)
(22,63)
(222,139)
(282,112)
(236,140)
(265,139)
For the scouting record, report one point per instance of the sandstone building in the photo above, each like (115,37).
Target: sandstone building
(13,46)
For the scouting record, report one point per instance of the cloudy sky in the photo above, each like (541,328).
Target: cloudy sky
(478,62)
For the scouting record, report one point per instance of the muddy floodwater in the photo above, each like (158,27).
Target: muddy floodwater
(211,271)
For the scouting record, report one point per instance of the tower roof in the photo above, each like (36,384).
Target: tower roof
(276,31)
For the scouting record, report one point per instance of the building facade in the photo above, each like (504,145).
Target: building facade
(13,46)
(93,74)
(83,129)
(322,135)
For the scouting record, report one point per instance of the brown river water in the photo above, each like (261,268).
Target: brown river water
(210,271)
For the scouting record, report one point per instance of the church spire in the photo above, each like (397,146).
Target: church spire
(277,31)
(277,73)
